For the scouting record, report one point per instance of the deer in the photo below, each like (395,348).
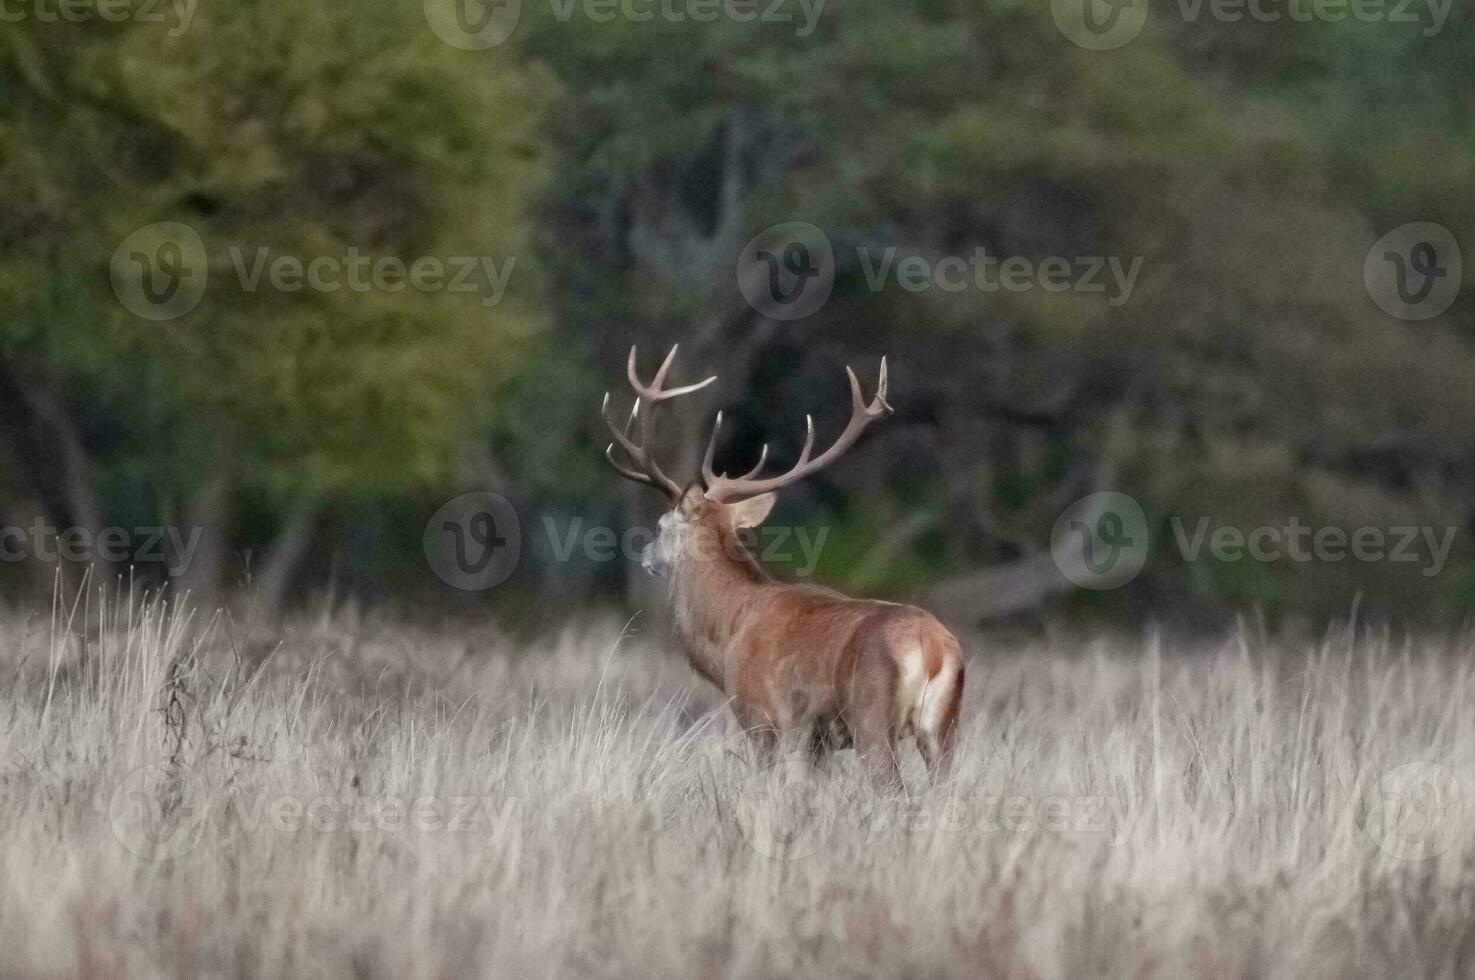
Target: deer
(841,672)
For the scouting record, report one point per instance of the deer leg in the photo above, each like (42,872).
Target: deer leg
(872,720)
(817,745)
(827,736)
(876,745)
(760,731)
(765,741)
(937,753)
(931,749)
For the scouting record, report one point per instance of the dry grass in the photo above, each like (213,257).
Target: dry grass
(378,801)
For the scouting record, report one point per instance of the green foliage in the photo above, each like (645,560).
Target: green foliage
(307,130)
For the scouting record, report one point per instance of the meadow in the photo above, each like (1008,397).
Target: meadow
(349,794)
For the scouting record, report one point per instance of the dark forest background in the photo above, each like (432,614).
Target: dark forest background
(1249,377)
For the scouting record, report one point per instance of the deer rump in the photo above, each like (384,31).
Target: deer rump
(845,673)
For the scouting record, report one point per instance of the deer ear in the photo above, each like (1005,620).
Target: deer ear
(753,511)
(693,496)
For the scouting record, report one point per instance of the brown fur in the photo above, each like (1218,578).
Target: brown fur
(804,658)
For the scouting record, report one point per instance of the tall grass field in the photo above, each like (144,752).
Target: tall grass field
(182,795)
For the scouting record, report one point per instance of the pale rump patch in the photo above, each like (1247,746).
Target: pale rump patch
(911,687)
(933,710)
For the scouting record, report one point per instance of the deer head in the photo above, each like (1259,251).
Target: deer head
(706,516)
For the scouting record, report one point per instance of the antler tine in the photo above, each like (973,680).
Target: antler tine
(878,405)
(643,467)
(808,440)
(861,415)
(653,395)
(622,438)
(654,392)
(762,459)
(625,471)
(708,477)
(665,367)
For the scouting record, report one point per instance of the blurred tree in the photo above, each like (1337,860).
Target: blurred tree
(302,131)
(1248,167)
(1232,162)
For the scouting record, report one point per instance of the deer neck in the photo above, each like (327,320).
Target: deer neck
(710,590)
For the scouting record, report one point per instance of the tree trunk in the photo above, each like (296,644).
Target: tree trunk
(273,576)
(209,511)
(48,457)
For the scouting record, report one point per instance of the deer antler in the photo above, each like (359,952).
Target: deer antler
(726,490)
(642,466)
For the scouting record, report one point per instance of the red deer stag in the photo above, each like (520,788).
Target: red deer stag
(789,657)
